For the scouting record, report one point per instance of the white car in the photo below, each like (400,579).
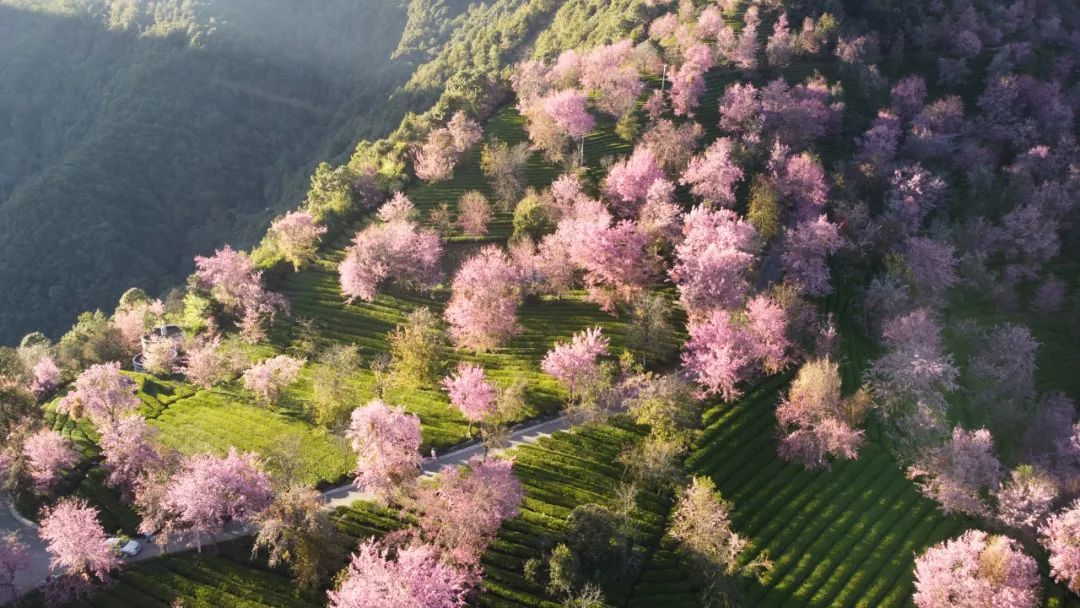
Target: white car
(129,549)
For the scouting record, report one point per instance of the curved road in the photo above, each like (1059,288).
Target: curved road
(337,497)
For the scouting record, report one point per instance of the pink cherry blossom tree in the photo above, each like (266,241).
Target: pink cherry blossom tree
(1051,442)
(766,329)
(712,260)
(464,132)
(628,181)
(396,251)
(231,279)
(205,364)
(160,355)
(387,443)
(398,209)
(607,71)
(1048,298)
(976,570)
(14,560)
(1003,372)
(617,263)
(470,392)
(485,294)
(130,451)
(959,473)
(463,513)
(745,53)
(712,176)
(296,235)
(878,145)
(269,377)
(1061,537)
(474,213)
(812,418)
(932,265)
(575,363)
(48,454)
(805,251)
(568,109)
(102,394)
(688,83)
(76,544)
(46,376)
(135,318)
(908,96)
(209,492)
(434,160)
(910,379)
(717,355)
(1025,500)
(913,193)
(416,578)
(800,180)
(672,145)
(741,112)
(780,46)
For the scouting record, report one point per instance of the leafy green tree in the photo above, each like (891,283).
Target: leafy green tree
(93,339)
(416,349)
(532,218)
(764,213)
(330,192)
(335,385)
(650,334)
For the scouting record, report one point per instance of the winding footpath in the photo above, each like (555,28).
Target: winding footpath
(341,496)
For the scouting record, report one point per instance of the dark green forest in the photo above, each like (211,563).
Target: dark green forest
(136,134)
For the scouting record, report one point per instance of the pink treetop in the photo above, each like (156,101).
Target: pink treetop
(933,268)
(387,443)
(1061,537)
(464,512)
(14,560)
(48,454)
(398,251)
(933,130)
(661,218)
(566,71)
(796,115)
(914,366)
(575,363)
(628,181)
(128,447)
(717,355)
(269,377)
(398,209)
(958,473)
(663,26)
(230,277)
(205,364)
(877,147)
(745,53)
(485,294)
(464,131)
(46,376)
(297,235)
(766,330)
(134,319)
(434,160)
(209,491)
(608,71)
(470,391)
(416,579)
(712,176)
(805,251)
(568,109)
(1025,500)
(914,192)
(1004,367)
(812,419)
(566,190)
(741,112)
(711,262)
(974,571)
(101,393)
(709,23)
(801,180)
(617,263)
(688,83)
(1049,297)
(908,96)
(76,541)
(781,44)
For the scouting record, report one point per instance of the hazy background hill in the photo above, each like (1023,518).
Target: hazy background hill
(135,134)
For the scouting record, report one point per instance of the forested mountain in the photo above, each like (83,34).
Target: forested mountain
(135,134)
